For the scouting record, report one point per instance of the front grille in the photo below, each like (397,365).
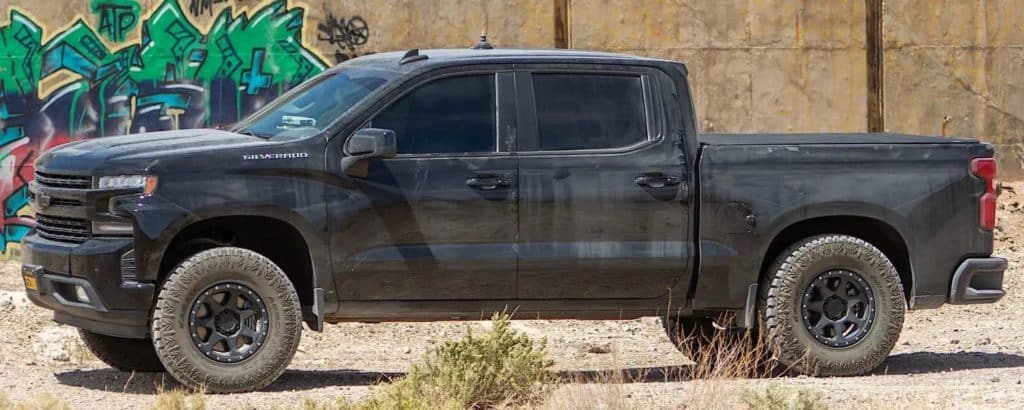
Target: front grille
(65,202)
(63,229)
(64,181)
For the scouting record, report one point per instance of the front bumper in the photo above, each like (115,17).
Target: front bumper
(978,280)
(64,272)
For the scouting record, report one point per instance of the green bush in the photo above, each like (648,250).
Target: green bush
(497,367)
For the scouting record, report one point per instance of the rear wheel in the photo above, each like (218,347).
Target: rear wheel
(227,320)
(832,305)
(129,355)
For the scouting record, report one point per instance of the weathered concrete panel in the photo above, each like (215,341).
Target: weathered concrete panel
(797,90)
(756,65)
(957,68)
(807,24)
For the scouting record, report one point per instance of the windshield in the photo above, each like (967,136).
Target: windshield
(313,106)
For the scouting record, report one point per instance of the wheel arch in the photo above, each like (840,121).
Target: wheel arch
(282,241)
(877,232)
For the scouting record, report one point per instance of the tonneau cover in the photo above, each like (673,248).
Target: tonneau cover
(826,138)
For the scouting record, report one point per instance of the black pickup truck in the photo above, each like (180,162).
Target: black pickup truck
(448,184)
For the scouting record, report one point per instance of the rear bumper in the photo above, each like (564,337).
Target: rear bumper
(978,280)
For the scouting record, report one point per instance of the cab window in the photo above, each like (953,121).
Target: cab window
(444,116)
(582,111)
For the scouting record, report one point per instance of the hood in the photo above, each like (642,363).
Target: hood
(138,152)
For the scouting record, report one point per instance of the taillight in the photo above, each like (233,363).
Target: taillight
(985,168)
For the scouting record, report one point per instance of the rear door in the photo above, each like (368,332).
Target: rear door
(603,204)
(438,221)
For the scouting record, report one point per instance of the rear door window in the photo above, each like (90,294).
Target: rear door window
(583,111)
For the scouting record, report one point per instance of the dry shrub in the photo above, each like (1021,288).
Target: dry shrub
(337,404)
(587,396)
(602,390)
(45,401)
(728,354)
(179,400)
(777,398)
(720,358)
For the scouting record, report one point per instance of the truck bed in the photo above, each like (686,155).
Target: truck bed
(826,138)
(753,187)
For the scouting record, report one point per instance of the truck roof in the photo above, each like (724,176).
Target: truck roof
(450,56)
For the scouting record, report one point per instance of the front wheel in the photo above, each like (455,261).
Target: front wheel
(227,320)
(832,305)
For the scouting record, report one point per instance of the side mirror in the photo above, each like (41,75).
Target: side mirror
(364,145)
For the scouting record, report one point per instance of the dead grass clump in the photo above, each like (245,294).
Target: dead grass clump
(721,359)
(727,354)
(604,390)
(777,398)
(179,400)
(337,404)
(45,401)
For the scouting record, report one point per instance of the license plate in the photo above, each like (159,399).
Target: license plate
(30,282)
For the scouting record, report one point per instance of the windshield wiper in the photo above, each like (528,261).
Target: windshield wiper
(250,133)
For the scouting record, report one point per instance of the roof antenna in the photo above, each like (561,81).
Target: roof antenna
(412,56)
(483,44)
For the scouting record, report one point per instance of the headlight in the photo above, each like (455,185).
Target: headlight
(145,182)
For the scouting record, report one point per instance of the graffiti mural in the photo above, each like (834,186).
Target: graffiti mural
(86,82)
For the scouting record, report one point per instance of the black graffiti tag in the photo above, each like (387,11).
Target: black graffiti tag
(197,7)
(344,34)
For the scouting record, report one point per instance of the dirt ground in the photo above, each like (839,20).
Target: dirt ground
(957,356)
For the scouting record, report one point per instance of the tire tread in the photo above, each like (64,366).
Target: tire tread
(182,280)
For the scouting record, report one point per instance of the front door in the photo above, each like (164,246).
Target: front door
(438,221)
(603,201)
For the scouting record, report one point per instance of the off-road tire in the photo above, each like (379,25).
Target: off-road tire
(781,312)
(128,355)
(171,328)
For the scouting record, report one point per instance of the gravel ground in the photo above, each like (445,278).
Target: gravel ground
(957,356)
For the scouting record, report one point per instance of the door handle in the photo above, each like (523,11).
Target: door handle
(656,180)
(488,182)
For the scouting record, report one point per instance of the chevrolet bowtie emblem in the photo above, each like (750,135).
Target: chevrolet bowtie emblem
(44,200)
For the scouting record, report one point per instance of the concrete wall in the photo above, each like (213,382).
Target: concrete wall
(91,68)
(756,65)
(957,68)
